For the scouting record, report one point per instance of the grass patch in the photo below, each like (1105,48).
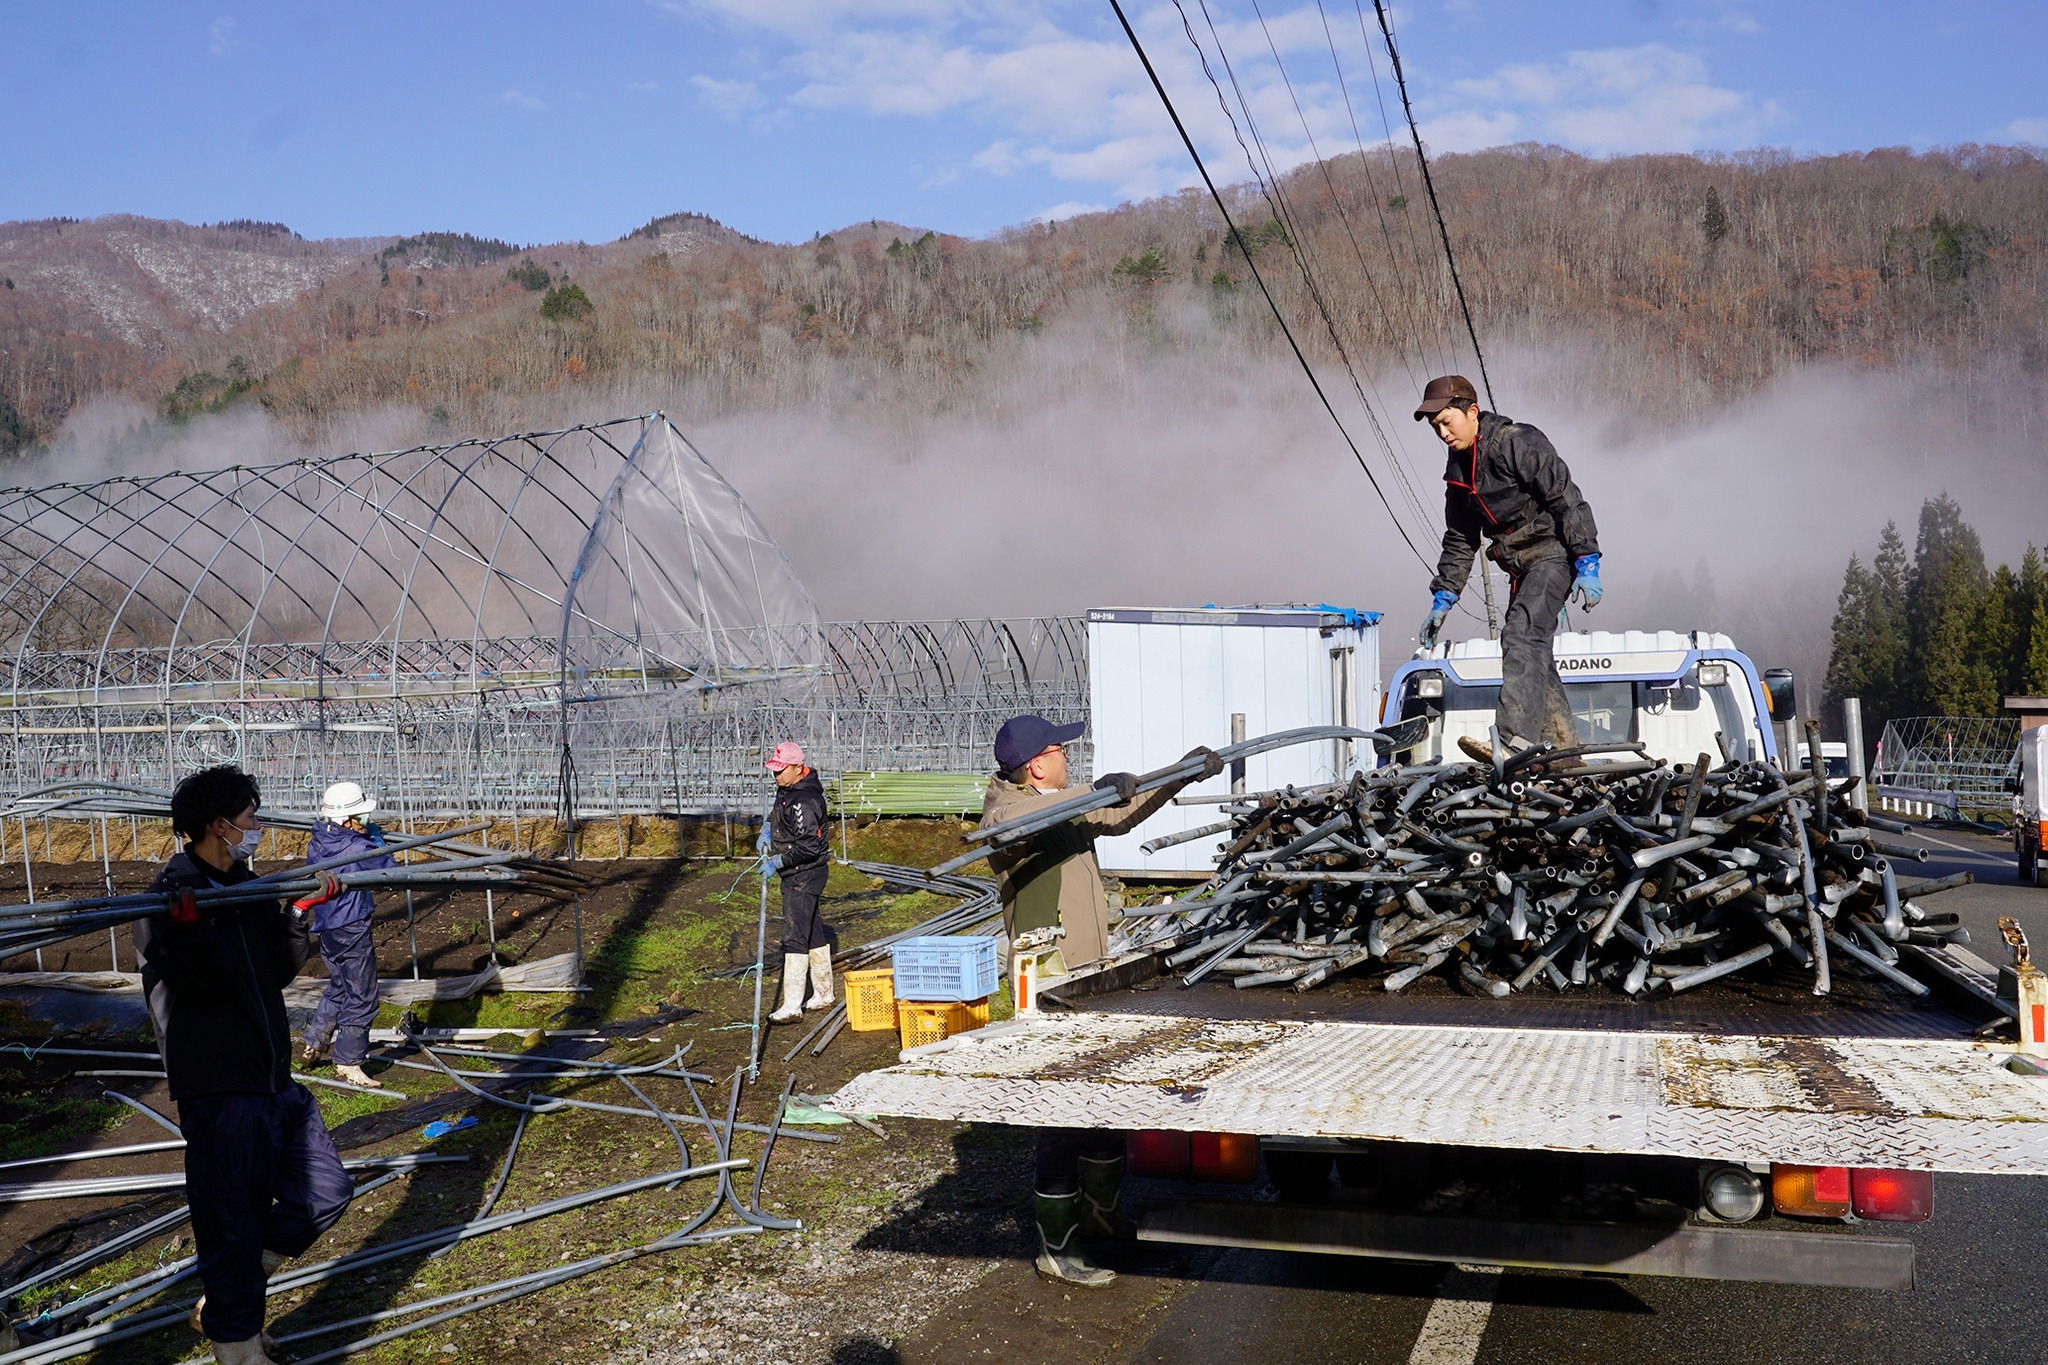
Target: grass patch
(44,1123)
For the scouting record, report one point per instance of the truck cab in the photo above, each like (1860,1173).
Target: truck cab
(1680,694)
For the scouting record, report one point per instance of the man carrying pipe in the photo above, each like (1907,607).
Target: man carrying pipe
(1052,879)
(793,840)
(342,926)
(261,1175)
(1504,482)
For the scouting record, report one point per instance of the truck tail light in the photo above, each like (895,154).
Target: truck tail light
(1893,1196)
(1229,1157)
(1810,1191)
(1158,1153)
(2042,830)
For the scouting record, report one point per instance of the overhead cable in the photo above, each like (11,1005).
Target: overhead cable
(1401,82)
(1231,226)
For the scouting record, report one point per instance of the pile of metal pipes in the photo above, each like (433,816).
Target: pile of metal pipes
(1551,867)
(25,928)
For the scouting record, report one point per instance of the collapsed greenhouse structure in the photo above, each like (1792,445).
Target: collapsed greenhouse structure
(573,624)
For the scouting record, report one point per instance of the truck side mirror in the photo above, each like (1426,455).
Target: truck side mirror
(1779,693)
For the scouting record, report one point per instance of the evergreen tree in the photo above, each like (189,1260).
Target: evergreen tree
(1854,666)
(1944,598)
(1889,637)
(1991,671)
(2030,628)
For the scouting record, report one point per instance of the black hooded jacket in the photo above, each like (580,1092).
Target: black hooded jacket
(215,985)
(796,827)
(1514,489)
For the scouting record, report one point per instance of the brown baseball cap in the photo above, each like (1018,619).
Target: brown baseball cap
(1443,391)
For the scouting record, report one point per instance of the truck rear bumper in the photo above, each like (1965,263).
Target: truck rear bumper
(1838,1260)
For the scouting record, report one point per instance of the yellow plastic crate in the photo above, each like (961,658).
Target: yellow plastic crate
(871,1000)
(934,1022)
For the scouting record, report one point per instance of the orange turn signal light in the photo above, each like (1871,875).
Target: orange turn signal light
(1229,1157)
(1810,1191)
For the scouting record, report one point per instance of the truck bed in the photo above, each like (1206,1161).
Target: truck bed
(1739,1071)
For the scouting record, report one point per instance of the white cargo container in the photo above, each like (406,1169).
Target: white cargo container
(1162,681)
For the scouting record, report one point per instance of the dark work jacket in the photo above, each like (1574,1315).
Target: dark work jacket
(215,989)
(796,826)
(332,840)
(1513,489)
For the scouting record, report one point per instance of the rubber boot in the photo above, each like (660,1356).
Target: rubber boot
(821,980)
(250,1352)
(263,1341)
(312,1054)
(1059,1243)
(793,965)
(1101,1219)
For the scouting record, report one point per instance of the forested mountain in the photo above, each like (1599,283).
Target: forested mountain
(1698,279)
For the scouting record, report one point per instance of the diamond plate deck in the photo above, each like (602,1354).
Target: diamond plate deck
(1922,1104)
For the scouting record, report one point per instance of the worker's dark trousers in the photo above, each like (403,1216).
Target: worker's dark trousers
(261,1174)
(1060,1151)
(1532,701)
(802,927)
(349,1004)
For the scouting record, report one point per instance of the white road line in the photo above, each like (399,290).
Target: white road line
(1457,1320)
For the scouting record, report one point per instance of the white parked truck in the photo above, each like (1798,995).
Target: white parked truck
(2030,806)
(1747,1130)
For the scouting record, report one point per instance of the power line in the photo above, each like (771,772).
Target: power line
(1231,226)
(1298,247)
(1393,55)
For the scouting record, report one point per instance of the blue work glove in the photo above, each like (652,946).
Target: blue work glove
(376,833)
(1439,611)
(772,866)
(1586,587)
(766,841)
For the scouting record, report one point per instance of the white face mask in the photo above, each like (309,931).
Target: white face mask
(246,845)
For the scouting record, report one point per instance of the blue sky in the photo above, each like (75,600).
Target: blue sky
(547,122)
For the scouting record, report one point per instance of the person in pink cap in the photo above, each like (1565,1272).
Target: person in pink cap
(793,841)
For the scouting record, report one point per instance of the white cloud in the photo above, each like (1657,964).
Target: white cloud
(729,98)
(1468,131)
(1605,101)
(220,35)
(643,87)
(2033,131)
(1070,209)
(519,99)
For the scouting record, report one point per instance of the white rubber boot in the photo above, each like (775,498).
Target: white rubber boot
(821,979)
(793,965)
(355,1076)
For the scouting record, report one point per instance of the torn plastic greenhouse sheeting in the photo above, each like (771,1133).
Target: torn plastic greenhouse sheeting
(443,1127)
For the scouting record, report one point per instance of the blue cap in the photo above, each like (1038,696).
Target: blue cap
(1024,738)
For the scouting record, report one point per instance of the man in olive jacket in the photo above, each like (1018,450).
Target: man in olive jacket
(1052,879)
(1505,483)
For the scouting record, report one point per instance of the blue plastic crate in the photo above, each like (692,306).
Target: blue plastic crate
(946,967)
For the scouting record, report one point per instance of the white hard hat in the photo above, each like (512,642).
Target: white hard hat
(345,799)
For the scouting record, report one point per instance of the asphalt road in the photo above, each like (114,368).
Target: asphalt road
(1980,1296)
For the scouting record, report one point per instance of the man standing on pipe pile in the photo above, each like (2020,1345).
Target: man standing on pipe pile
(793,840)
(342,923)
(1505,482)
(261,1175)
(1052,880)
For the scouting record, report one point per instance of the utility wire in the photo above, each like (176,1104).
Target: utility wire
(1297,246)
(1394,55)
(1290,223)
(1231,226)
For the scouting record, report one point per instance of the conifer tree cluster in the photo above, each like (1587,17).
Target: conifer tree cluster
(1939,635)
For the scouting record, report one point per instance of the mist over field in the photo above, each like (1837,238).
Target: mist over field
(1751,363)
